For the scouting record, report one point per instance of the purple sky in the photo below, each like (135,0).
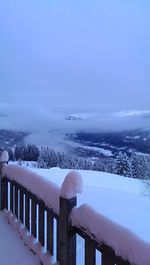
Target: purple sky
(72,56)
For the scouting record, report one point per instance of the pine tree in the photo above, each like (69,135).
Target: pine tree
(138,165)
(11,154)
(42,163)
(122,165)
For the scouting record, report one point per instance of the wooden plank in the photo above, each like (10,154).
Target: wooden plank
(16,200)
(120,261)
(41,222)
(6,193)
(107,260)
(11,196)
(33,218)
(50,233)
(90,252)
(27,211)
(21,205)
(2,186)
(1,166)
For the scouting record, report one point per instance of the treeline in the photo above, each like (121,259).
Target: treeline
(135,165)
(28,152)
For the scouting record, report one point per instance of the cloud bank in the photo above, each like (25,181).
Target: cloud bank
(46,119)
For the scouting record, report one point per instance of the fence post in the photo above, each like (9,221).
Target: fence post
(67,238)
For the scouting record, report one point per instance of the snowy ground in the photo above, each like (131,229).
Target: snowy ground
(12,249)
(124,200)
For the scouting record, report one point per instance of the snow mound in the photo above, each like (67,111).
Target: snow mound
(29,239)
(72,185)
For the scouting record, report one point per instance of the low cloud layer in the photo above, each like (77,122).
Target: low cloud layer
(34,119)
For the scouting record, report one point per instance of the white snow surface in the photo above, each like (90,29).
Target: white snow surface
(4,157)
(12,248)
(123,200)
(72,185)
(29,241)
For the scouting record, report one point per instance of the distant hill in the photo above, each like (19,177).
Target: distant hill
(87,144)
(11,138)
(111,143)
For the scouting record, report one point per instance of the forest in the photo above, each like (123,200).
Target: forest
(136,165)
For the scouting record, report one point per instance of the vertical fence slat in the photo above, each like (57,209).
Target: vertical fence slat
(27,211)
(2,188)
(90,252)
(16,200)
(11,196)
(21,205)
(6,193)
(2,182)
(50,232)
(41,223)
(33,217)
(107,260)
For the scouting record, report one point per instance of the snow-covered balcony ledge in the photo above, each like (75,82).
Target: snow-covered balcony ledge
(34,203)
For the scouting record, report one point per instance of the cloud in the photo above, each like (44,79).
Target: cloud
(44,119)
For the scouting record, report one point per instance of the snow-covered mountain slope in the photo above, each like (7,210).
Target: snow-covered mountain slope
(83,143)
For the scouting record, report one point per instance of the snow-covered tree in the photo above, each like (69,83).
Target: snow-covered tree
(138,165)
(122,165)
(20,152)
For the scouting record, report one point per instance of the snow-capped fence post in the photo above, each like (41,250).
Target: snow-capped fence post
(67,237)
(3,181)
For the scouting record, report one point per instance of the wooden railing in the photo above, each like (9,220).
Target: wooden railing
(39,220)
(30,210)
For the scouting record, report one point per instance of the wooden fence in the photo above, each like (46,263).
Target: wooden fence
(28,209)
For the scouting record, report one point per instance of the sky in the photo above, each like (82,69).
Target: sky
(61,57)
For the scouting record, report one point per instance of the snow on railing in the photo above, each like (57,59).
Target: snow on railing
(43,188)
(72,185)
(4,157)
